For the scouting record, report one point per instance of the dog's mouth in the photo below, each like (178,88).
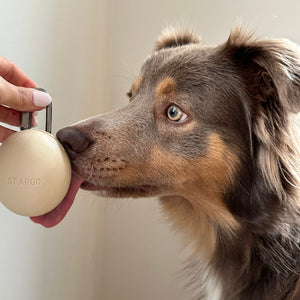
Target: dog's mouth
(55,216)
(143,190)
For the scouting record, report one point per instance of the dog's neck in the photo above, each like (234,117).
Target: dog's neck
(225,250)
(195,227)
(200,215)
(200,236)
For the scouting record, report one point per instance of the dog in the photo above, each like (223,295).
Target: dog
(213,132)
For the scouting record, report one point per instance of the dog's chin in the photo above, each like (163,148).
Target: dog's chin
(123,191)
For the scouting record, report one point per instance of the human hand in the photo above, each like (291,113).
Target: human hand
(17,94)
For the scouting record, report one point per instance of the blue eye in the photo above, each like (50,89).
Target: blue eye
(175,114)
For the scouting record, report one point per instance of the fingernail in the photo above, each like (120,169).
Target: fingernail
(41,99)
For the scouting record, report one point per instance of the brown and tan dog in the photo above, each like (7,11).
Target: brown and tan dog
(213,132)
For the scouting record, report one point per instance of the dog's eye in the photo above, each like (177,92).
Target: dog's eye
(175,114)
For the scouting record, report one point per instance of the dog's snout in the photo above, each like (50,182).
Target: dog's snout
(74,140)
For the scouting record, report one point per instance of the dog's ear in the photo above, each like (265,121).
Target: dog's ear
(272,67)
(270,73)
(171,37)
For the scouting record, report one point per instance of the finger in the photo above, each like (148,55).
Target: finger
(12,117)
(13,74)
(5,133)
(9,116)
(22,99)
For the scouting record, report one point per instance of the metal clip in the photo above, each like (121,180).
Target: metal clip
(26,117)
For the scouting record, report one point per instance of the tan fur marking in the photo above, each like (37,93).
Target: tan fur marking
(136,85)
(215,173)
(199,184)
(219,163)
(166,88)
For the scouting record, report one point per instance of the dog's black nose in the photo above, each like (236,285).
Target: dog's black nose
(74,140)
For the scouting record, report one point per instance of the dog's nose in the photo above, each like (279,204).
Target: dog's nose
(74,140)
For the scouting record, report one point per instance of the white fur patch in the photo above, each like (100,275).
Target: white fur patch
(213,286)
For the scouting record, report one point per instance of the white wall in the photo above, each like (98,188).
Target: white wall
(141,256)
(62,46)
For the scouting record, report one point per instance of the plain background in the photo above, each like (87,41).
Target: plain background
(86,54)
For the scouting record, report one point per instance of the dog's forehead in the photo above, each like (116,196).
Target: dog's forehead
(182,62)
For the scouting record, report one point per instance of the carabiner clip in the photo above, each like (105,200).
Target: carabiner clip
(26,117)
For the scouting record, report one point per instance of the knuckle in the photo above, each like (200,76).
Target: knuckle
(13,96)
(23,99)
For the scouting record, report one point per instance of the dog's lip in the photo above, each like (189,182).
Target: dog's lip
(145,188)
(89,186)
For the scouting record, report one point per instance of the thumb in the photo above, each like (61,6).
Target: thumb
(22,99)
